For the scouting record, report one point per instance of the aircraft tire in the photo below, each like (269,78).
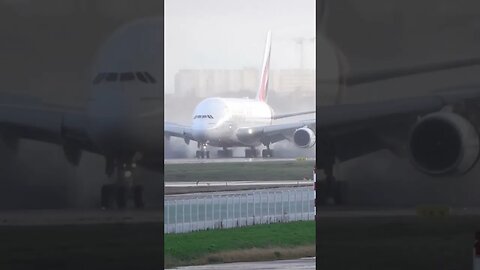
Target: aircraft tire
(138,196)
(121,197)
(267,153)
(106,195)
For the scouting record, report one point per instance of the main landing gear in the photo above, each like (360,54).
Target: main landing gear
(119,193)
(267,153)
(251,152)
(331,191)
(202,152)
(225,153)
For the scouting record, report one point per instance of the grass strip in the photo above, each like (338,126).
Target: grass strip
(275,170)
(260,242)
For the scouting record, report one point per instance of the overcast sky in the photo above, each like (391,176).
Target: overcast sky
(230,34)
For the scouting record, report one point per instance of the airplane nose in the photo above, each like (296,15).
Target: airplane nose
(200,134)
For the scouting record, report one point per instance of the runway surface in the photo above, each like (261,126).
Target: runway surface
(304,263)
(229,186)
(239,183)
(228,160)
(77,217)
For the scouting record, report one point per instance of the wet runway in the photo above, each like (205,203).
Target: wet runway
(304,263)
(77,217)
(228,160)
(239,183)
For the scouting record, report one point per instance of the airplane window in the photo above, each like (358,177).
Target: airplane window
(150,78)
(141,77)
(204,116)
(99,78)
(111,77)
(127,76)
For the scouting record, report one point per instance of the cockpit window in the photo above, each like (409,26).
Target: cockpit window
(141,77)
(99,78)
(127,76)
(144,77)
(150,78)
(111,77)
(198,116)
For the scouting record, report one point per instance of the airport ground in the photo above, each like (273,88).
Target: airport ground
(356,239)
(388,242)
(252,170)
(94,246)
(253,243)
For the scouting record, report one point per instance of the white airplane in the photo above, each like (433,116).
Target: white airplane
(123,119)
(242,122)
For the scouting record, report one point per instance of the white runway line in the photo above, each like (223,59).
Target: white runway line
(304,263)
(237,183)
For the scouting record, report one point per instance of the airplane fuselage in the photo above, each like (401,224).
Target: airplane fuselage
(216,120)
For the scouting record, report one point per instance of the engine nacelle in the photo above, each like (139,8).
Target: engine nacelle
(443,143)
(304,137)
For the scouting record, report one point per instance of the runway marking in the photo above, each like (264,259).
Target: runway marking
(231,160)
(303,263)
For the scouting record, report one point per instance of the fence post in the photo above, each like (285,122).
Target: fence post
(268,206)
(281,199)
(240,210)
(253,203)
(226,219)
(190,218)
(198,213)
(213,212)
(205,210)
(183,215)
(233,211)
(289,206)
(275,205)
(296,203)
(261,207)
(176,216)
(246,198)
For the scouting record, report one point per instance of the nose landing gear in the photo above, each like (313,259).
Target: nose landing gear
(202,152)
(119,193)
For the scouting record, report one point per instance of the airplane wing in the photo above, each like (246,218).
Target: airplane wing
(280,116)
(273,133)
(28,118)
(177,130)
(359,129)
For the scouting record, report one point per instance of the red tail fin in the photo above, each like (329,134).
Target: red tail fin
(263,87)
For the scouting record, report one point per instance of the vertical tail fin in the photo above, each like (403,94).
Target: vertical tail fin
(263,87)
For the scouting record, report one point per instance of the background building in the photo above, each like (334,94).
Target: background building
(208,82)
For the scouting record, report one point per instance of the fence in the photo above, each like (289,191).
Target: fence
(238,210)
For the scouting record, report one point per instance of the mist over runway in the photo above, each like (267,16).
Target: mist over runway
(304,263)
(227,160)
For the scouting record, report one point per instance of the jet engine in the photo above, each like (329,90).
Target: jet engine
(304,137)
(443,143)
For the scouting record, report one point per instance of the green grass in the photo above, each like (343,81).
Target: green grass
(183,249)
(275,170)
(396,243)
(106,246)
